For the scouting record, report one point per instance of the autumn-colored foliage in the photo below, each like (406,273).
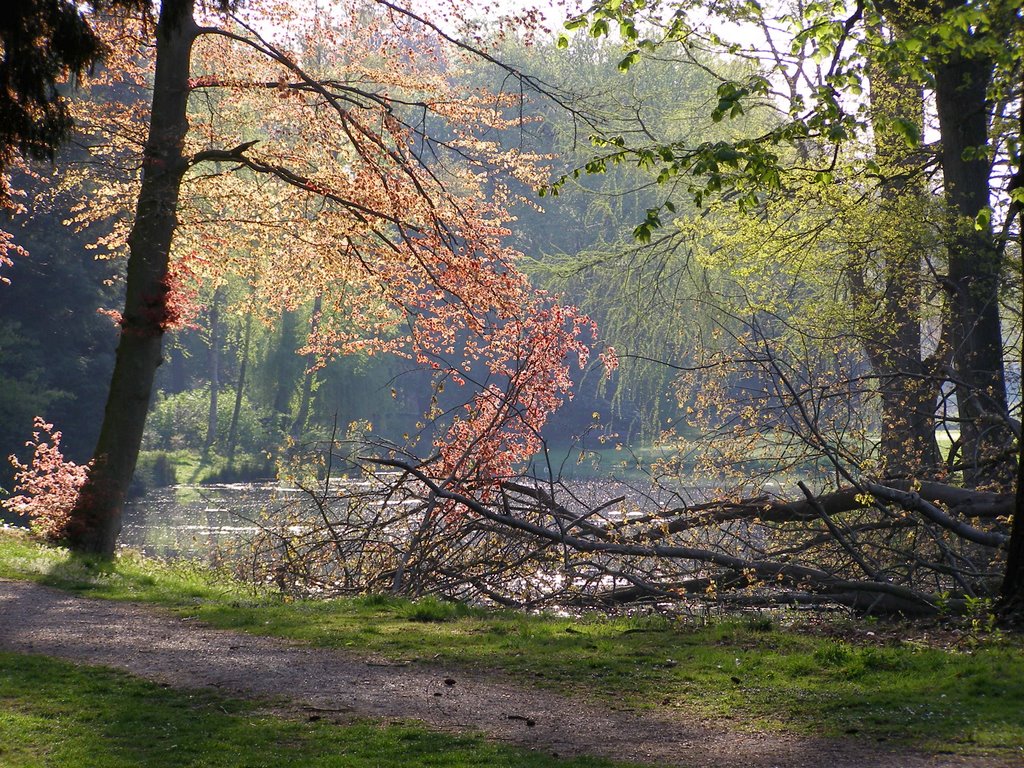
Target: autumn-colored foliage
(334,157)
(46,488)
(10,207)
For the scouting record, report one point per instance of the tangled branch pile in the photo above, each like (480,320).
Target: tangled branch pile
(383,525)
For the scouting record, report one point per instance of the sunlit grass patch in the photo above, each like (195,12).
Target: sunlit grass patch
(758,672)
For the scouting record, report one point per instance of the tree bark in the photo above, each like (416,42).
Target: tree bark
(961,90)
(893,343)
(214,365)
(239,391)
(1011,592)
(962,503)
(96,518)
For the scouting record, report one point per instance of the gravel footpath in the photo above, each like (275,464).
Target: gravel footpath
(337,686)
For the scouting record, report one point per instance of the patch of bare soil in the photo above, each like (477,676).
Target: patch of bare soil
(335,685)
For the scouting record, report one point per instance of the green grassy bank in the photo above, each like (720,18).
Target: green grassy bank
(930,687)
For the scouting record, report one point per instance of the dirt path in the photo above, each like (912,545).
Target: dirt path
(166,649)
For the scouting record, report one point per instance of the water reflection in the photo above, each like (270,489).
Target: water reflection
(200,522)
(215,522)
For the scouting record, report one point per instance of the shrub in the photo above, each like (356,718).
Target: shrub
(154,469)
(47,487)
(245,470)
(179,421)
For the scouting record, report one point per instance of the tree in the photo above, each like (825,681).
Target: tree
(42,43)
(580,241)
(354,211)
(963,67)
(95,519)
(214,366)
(965,57)
(893,338)
(61,274)
(958,51)
(232,438)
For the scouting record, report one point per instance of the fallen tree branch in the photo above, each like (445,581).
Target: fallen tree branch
(913,501)
(964,502)
(814,579)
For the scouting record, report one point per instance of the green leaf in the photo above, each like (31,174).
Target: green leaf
(909,130)
(562,42)
(726,153)
(983,219)
(631,58)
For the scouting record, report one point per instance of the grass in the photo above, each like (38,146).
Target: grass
(757,673)
(160,468)
(56,714)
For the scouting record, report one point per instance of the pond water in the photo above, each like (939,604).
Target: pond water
(271,533)
(211,522)
(200,522)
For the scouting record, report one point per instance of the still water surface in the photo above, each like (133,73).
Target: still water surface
(208,522)
(198,521)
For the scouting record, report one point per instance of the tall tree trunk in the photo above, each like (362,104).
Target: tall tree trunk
(178,379)
(908,446)
(286,364)
(214,366)
(1011,594)
(96,518)
(893,343)
(239,390)
(961,86)
(299,425)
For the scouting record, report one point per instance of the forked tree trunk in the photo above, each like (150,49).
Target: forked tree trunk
(96,518)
